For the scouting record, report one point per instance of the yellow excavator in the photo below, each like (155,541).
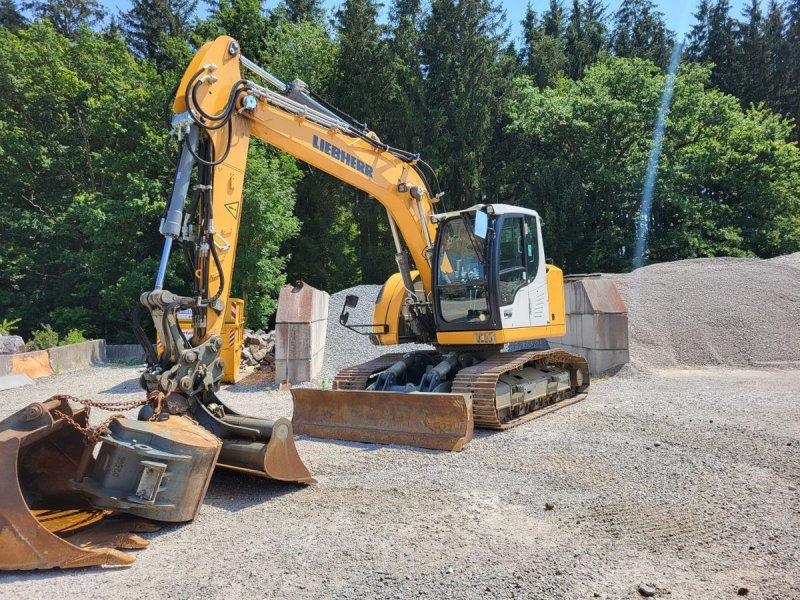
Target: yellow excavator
(468,282)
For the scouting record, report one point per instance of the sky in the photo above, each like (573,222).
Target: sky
(677,13)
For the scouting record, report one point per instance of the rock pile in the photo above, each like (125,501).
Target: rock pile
(11,344)
(259,349)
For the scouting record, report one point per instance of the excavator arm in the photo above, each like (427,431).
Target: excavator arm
(216,112)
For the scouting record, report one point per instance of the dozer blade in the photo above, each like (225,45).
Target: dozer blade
(424,420)
(43,523)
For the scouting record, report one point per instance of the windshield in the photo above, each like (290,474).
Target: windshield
(460,273)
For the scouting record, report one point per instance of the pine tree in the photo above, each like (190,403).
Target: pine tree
(150,25)
(67,16)
(585,36)
(360,89)
(466,84)
(542,55)
(697,46)
(10,17)
(405,101)
(301,10)
(713,39)
(755,75)
(553,20)
(640,31)
(791,65)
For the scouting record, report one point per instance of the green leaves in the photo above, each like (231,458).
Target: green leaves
(727,182)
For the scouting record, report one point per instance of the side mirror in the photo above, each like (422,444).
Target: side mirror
(481,224)
(350,301)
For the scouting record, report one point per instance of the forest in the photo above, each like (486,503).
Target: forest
(560,120)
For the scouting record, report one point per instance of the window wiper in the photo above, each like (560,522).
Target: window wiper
(473,239)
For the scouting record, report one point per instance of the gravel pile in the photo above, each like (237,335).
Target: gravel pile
(345,348)
(714,311)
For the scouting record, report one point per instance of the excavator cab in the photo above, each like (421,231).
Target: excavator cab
(490,272)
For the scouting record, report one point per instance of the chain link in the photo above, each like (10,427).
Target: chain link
(92,434)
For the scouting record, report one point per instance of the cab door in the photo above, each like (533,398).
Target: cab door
(521,283)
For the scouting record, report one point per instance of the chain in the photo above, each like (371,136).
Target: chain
(93,434)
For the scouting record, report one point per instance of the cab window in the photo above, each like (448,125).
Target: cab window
(512,271)
(531,246)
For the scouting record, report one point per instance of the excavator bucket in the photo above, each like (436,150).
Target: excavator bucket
(425,420)
(44,523)
(274,458)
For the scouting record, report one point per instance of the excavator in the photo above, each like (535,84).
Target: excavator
(468,283)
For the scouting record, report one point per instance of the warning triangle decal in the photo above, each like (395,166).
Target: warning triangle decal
(233,208)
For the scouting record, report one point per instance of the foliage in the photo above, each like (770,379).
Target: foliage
(73,336)
(42,339)
(639,31)
(85,181)
(267,223)
(10,17)
(9,325)
(727,182)
(67,16)
(151,28)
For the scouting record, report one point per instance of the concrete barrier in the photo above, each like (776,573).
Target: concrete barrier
(33,364)
(597,323)
(74,357)
(300,328)
(125,353)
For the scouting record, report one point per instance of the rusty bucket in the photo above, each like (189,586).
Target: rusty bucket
(43,522)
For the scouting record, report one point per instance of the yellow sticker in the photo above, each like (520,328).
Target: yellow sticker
(233,208)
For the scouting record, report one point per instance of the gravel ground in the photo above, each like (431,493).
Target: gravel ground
(682,478)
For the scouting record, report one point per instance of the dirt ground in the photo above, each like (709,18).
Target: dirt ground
(686,480)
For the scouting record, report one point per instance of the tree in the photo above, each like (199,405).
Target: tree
(301,10)
(585,36)
(86,180)
(542,54)
(755,74)
(465,83)
(728,181)
(713,39)
(360,89)
(640,31)
(67,16)
(553,20)
(151,28)
(10,17)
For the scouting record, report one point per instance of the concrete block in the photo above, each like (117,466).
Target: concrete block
(604,331)
(293,370)
(597,323)
(74,357)
(600,361)
(300,329)
(593,295)
(301,304)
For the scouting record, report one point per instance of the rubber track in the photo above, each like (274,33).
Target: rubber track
(481,381)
